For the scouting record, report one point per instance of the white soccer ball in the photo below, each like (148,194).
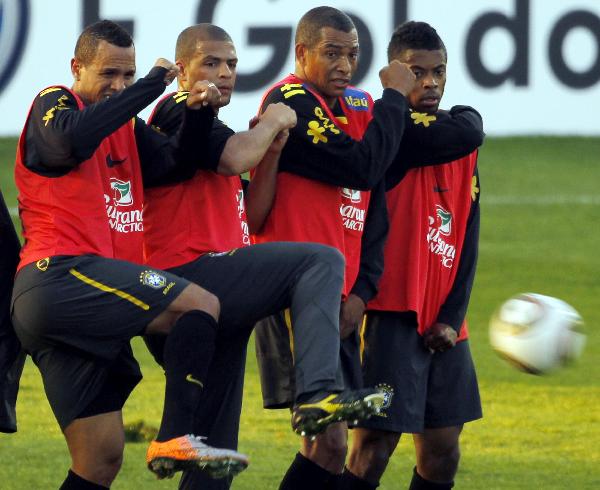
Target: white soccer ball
(537,333)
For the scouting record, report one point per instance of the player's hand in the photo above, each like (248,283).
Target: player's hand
(398,76)
(203,93)
(172,69)
(351,315)
(279,115)
(440,337)
(279,141)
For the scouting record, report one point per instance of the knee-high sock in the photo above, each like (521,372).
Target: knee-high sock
(303,474)
(75,482)
(189,349)
(349,481)
(420,483)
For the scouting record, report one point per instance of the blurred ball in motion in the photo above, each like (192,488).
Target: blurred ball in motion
(537,333)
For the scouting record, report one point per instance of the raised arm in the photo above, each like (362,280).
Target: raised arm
(319,149)
(60,136)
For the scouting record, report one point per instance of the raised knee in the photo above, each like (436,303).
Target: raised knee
(206,301)
(104,469)
(329,257)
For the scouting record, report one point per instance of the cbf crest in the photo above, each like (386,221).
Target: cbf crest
(388,394)
(153,279)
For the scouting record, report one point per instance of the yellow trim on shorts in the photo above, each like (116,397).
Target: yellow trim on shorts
(361,334)
(287,318)
(108,289)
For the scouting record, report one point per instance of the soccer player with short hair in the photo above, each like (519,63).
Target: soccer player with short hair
(193,229)
(340,148)
(82,160)
(415,340)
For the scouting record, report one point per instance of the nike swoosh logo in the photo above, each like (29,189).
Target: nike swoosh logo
(111,163)
(191,379)
(439,189)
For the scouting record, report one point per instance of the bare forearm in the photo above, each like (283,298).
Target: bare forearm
(261,191)
(245,150)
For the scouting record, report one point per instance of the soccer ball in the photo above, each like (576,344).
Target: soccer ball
(537,333)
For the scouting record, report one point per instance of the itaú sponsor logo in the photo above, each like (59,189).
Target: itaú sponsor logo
(124,221)
(436,239)
(352,217)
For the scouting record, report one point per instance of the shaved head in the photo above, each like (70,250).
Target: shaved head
(188,39)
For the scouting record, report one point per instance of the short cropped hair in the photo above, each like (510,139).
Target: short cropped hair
(414,35)
(308,31)
(104,30)
(188,39)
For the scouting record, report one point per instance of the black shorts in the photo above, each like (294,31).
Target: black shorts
(76,316)
(423,390)
(274,353)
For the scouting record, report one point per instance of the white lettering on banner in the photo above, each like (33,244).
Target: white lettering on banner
(502,54)
(438,245)
(352,217)
(125,221)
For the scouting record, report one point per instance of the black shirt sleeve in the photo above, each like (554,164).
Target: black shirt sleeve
(434,139)
(318,149)
(167,119)
(59,136)
(373,241)
(171,159)
(454,309)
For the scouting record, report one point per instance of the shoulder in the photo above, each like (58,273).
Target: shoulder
(294,95)
(357,99)
(55,98)
(168,112)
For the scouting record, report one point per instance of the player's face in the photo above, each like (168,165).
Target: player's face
(429,66)
(330,64)
(215,61)
(111,71)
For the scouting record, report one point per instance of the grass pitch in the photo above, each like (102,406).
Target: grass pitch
(540,216)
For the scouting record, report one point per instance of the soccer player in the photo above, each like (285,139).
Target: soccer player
(80,163)
(415,340)
(339,149)
(12,358)
(193,229)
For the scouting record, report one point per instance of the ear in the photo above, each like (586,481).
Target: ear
(300,50)
(182,76)
(76,69)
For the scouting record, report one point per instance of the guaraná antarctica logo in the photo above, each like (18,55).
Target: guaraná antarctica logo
(14,24)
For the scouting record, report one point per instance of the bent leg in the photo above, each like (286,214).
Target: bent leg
(96,446)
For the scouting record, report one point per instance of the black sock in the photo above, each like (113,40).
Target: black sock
(420,483)
(303,474)
(188,352)
(349,481)
(75,482)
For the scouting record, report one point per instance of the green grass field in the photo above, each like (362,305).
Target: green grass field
(540,233)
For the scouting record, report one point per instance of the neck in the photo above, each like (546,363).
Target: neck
(330,101)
